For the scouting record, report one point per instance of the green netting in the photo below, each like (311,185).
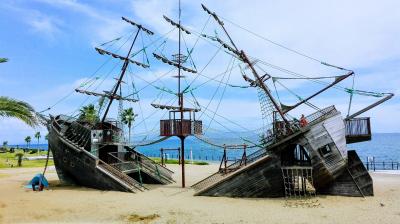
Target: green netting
(364,93)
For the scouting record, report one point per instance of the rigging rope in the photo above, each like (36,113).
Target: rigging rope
(296,95)
(283,46)
(151,83)
(222,95)
(47,161)
(219,85)
(102,81)
(230,121)
(351,98)
(91,76)
(306,78)
(365,93)
(200,72)
(151,143)
(206,38)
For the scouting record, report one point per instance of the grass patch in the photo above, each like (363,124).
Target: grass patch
(3,175)
(175,161)
(132,218)
(7,159)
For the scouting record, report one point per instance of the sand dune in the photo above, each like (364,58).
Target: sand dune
(172,204)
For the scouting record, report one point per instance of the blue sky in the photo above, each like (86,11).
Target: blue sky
(50,44)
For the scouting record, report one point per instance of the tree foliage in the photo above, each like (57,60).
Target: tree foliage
(128,117)
(37,135)
(18,109)
(89,114)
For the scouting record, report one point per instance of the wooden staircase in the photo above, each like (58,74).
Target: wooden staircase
(359,174)
(354,181)
(223,174)
(128,182)
(136,162)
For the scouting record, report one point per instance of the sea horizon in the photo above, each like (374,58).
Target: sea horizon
(383,146)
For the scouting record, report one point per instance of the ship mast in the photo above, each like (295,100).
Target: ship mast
(242,55)
(111,95)
(118,84)
(182,121)
(180,96)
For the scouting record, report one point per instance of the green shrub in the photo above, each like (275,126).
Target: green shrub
(19,156)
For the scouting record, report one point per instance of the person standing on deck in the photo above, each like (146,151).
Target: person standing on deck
(303,121)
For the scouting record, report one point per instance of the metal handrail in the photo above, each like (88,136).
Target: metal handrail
(316,116)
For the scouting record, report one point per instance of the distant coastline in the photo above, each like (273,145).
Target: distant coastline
(383,146)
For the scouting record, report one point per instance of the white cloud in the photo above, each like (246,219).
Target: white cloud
(40,23)
(105,24)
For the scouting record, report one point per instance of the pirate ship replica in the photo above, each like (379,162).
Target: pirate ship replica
(297,158)
(293,158)
(95,154)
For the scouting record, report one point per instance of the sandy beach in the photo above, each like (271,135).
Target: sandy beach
(172,204)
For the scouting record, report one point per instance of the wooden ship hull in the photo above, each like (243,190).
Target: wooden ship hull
(313,159)
(81,160)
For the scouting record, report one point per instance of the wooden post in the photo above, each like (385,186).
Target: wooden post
(220,165)
(179,156)
(183,159)
(162,156)
(245,155)
(225,158)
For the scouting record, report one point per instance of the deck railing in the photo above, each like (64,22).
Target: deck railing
(176,127)
(278,132)
(358,126)
(388,165)
(358,129)
(316,116)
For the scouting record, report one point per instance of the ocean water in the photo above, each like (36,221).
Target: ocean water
(384,147)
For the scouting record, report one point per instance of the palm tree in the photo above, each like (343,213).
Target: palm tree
(46,137)
(89,114)
(38,136)
(128,117)
(18,109)
(28,141)
(5,143)
(2,60)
